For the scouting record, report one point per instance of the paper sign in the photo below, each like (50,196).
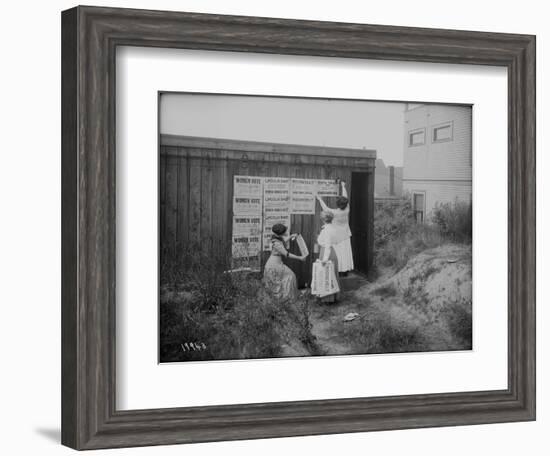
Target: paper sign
(302,245)
(245,225)
(247,186)
(245,246)
(326,187)
(247,206)
(247,195)
(276,192)
(302,196)
(323,279)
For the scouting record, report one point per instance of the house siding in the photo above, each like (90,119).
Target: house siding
(442,170)
(440,192)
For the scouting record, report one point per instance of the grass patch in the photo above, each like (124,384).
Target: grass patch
(225,315)
(384,329)
(458,317)
(385,291)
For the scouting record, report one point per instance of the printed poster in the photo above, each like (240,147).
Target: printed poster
(247,195)
(276,206)
(246,246)
(247,186)
(247,216)
(277,193)
(327,187)
(302,196)
(247,225)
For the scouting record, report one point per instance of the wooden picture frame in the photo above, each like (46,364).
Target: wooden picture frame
(90,36)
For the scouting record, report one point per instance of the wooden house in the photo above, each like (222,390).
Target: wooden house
(437,155)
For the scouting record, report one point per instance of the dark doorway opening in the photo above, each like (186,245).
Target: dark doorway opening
(361,222)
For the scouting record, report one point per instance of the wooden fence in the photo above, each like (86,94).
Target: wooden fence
(196,189)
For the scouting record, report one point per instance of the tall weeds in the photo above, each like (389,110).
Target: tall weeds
(454,220)
(397,236)
(224,315)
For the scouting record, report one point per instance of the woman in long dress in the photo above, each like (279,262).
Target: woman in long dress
(343,232)
(279,280)
(327,240)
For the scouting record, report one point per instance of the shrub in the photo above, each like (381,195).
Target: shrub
(397,236)
(398,249)
(454,220)
(458,316)
(391,219)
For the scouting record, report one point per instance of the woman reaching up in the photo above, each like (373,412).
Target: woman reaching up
(342,232)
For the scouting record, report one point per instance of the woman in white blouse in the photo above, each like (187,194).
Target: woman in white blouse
(327,240)
(343,232)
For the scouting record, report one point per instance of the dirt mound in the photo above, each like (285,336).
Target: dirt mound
(438,276)
(426,306)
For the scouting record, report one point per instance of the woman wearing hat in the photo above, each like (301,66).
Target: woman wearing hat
(342,235)
(279,279)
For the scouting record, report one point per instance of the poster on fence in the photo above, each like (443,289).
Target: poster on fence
(302,196)
(277,193)
(247,206)
(247,186)
(247,195)
(327,187)
(276,206)
(245,246)
(247,225)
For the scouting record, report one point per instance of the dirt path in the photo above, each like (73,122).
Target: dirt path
(325,318)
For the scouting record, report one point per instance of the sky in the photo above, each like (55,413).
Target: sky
(316,122)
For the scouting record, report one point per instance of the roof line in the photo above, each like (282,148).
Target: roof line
(260,146)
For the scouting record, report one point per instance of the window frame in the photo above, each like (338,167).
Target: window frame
(449,124)
(413,132)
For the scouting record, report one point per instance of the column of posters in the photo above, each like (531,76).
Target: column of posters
(247,216)
(276,203)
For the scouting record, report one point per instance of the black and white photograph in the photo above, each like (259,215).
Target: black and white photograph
(295,227)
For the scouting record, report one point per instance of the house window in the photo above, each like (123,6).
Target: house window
(418,207)
(443,132)
(417,137)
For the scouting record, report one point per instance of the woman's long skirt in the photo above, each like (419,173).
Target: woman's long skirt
(345,255)
(280,282)
(334,258)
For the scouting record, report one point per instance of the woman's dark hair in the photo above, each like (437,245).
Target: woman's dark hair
(279,229)
(342,202)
